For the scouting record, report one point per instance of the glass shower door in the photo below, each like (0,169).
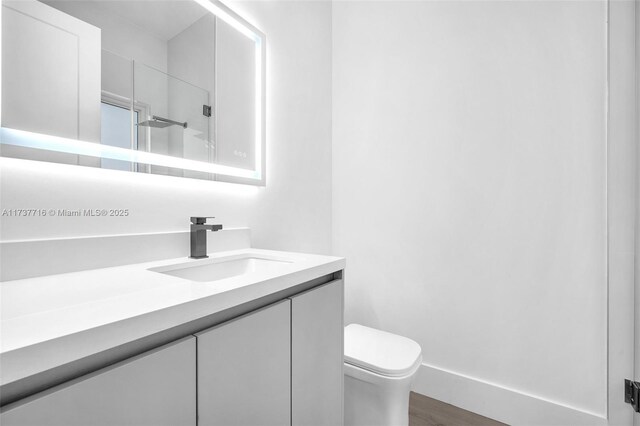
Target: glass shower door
(172,119)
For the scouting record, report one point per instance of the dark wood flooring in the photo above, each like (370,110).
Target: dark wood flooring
(425,411)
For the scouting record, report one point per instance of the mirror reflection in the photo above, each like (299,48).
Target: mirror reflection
(162,76)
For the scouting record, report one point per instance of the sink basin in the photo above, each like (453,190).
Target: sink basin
(218,269)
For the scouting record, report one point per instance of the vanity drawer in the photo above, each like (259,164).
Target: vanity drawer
(155,388)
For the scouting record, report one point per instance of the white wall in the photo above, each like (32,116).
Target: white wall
(293,212)
(469,155)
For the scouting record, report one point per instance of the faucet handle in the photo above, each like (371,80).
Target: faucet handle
(200,220)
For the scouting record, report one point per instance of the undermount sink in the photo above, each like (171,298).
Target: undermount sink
(218,269)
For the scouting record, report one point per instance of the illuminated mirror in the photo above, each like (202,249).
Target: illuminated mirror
(172,87)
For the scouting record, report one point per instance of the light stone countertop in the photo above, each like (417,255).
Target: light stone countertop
(48,321)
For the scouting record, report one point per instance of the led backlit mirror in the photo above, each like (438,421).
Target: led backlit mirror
(172,87)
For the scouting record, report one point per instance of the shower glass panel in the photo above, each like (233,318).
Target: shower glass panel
(171,118)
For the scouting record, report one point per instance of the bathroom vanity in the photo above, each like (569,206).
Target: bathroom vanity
(243,337)
(175,88)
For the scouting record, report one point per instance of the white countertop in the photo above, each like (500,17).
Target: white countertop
(52,320)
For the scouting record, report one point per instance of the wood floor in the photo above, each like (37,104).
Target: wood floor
(425,411)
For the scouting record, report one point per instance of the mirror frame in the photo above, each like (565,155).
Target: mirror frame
(222,173)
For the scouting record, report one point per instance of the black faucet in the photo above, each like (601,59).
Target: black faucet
(199,230)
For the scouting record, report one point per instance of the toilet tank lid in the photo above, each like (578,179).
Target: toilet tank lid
(381,352)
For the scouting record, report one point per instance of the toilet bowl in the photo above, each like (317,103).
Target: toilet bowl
(379,368)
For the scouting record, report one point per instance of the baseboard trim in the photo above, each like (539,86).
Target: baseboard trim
(497,402)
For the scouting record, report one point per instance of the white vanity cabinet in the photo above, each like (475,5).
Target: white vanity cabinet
(317,355)
(244,369)
(281,364)
(156,388)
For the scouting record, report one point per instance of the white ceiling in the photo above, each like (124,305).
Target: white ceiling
(163,19)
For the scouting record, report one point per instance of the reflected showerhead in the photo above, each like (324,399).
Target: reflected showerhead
(161,123)
(155,123)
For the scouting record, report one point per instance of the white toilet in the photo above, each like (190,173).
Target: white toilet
(379,368)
